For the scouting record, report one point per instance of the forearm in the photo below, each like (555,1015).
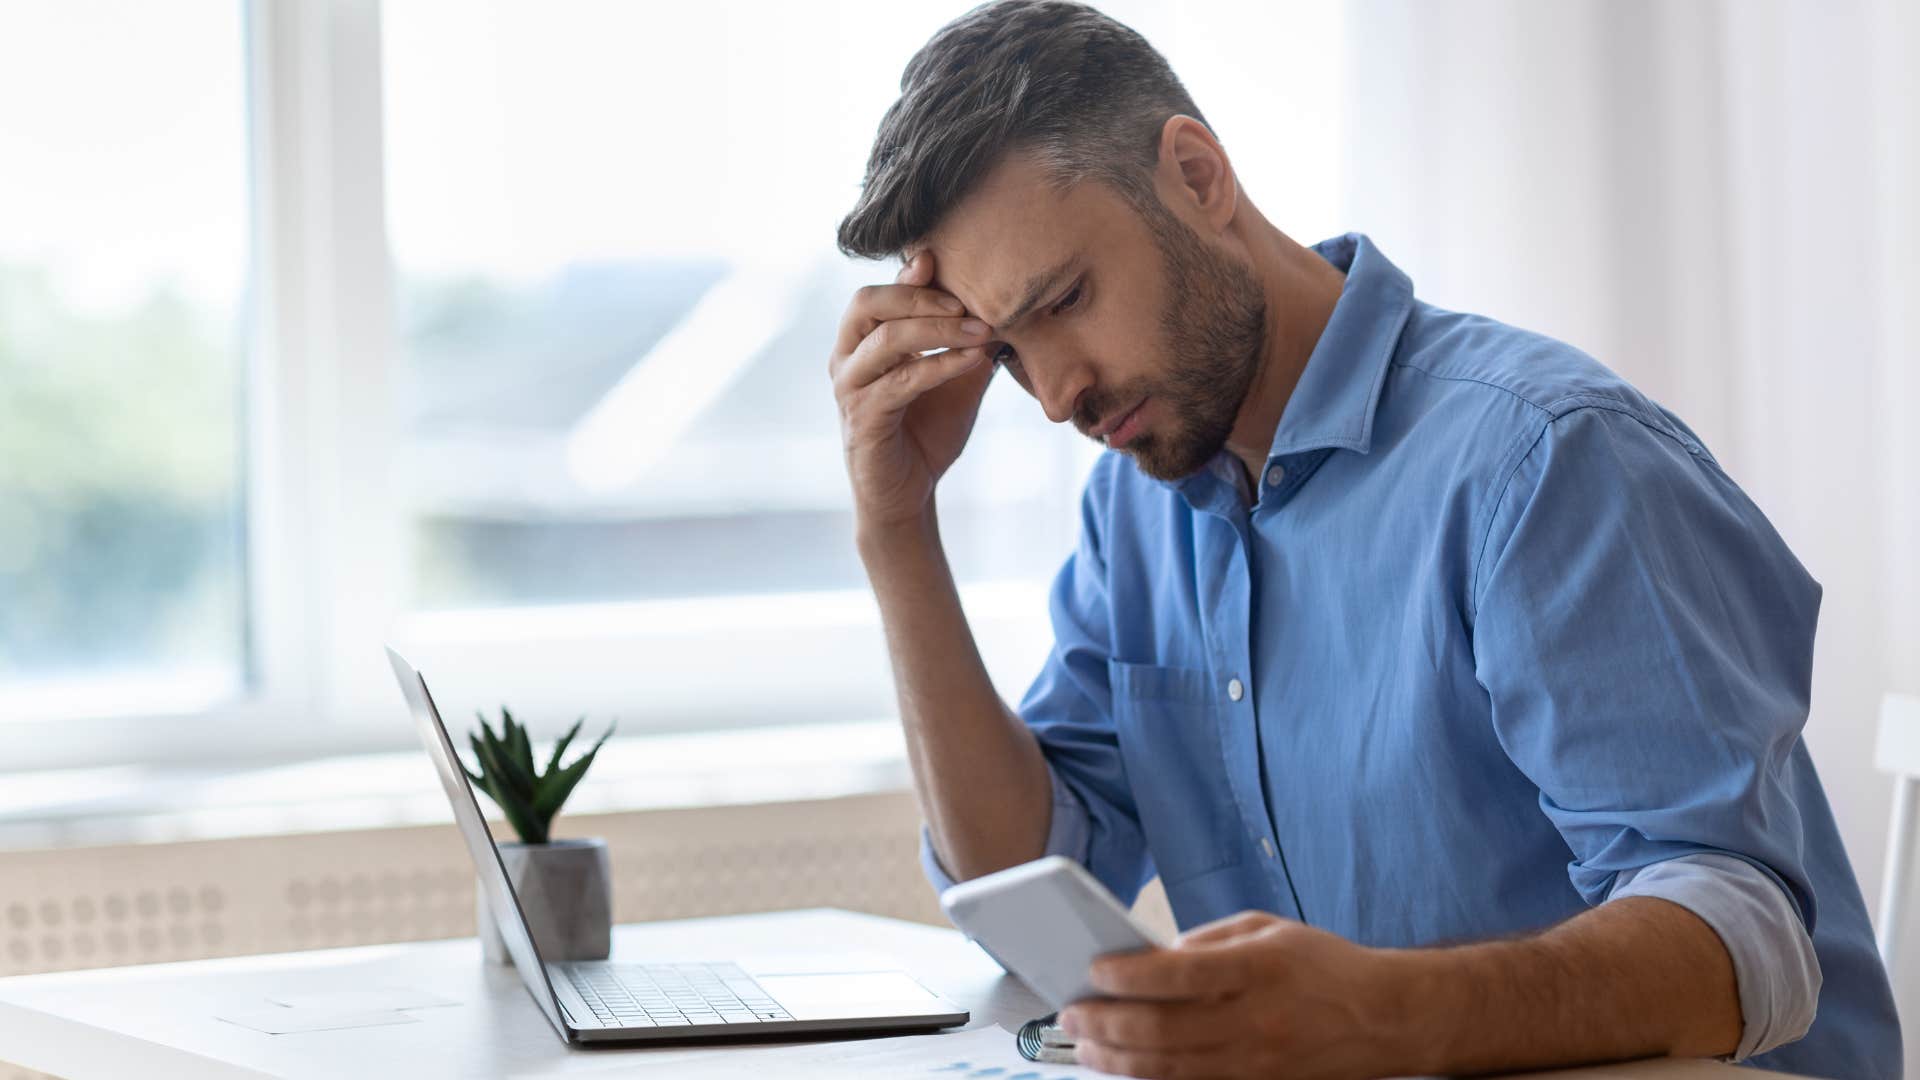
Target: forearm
(1638,977)
(981,778)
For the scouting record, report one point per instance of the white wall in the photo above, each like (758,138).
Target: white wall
(1717,200)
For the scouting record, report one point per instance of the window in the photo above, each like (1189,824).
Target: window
(123,271)
(496,330)
(612,228)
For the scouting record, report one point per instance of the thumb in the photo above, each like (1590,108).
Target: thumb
(1227,929)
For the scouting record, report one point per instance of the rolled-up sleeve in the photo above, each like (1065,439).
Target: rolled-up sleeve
(1774,965)
(1646,640)
(1069,710)
(1066,834)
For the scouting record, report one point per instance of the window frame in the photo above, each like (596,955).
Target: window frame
(325,550)
(317,290)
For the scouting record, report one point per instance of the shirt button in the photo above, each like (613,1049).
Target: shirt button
(1235,690)
(1266,847)
(1275,475)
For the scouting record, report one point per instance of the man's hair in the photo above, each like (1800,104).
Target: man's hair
(1086,95)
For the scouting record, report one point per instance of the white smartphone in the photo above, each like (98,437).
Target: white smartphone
(1046,921)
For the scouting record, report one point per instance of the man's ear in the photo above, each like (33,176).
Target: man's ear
(1194,176)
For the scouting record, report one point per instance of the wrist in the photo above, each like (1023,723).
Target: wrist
(878,540)
(1416,1014)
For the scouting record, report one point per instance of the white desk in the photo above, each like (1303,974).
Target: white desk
(158,1021)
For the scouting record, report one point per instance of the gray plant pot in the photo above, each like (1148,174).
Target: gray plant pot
(565,890)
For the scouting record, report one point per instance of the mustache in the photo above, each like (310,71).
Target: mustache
(1097,406)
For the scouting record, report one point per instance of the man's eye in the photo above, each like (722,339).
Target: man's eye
(1007,358)
(1067,301)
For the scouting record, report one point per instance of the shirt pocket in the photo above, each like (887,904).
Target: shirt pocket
(1168,724)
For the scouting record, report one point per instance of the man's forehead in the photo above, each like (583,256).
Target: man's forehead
(1000,288)
(1017,224)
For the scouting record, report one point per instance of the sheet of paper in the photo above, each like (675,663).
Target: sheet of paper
(280,1020)
(986,1053)
(983,1052)
(370,998)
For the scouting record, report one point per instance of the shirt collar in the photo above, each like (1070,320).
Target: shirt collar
(1338,392)
(1334,402)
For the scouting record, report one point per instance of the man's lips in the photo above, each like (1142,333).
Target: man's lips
(1117,430)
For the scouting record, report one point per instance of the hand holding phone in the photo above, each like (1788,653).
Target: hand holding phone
(1046,921)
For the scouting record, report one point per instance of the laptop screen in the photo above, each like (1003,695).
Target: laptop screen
(486,858)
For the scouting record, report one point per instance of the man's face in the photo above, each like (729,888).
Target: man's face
(1127,323)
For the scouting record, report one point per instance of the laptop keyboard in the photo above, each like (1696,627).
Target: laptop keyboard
(672,995)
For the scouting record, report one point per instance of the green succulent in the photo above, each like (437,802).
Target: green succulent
(530,799)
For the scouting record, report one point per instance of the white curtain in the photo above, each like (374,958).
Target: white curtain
(1719,201)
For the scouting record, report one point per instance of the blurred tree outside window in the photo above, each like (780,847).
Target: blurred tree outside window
(612,228)
(123,267)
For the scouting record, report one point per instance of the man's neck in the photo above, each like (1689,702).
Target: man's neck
(1301,290)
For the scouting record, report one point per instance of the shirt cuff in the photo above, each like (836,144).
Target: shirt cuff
(1774,965)
(1067,834)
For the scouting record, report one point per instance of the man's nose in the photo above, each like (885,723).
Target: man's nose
(1060,388)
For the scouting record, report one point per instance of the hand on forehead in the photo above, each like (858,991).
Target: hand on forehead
(1017,224)
(1007,294)
(922,267)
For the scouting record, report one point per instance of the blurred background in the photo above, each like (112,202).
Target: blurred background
(499,329)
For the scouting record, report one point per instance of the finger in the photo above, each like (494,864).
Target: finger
(1153,1025)
(909,381)
(898,341)
(1227,929)
(875,304)
(1170,974)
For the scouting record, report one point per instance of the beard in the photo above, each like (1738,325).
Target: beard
(1214,335)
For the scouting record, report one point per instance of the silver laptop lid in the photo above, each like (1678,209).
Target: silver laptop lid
(486,858)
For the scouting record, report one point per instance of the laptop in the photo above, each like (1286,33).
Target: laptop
(630,1000)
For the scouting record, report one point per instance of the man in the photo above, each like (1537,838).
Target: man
(1450,661)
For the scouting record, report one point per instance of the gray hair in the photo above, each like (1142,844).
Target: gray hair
(1084,94)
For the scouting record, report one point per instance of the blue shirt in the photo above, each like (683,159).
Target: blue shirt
(1495,631)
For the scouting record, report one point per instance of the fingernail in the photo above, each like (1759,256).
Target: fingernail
(973,328)
(1068,1024)
(953,304)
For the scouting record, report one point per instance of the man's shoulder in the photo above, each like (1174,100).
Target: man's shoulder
(1475,356)
(1494,377)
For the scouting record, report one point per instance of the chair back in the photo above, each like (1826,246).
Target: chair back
(1897,751)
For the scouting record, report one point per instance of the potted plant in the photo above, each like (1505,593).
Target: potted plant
(564,887)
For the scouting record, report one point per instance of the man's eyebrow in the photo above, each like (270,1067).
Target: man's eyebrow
(1039,287)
